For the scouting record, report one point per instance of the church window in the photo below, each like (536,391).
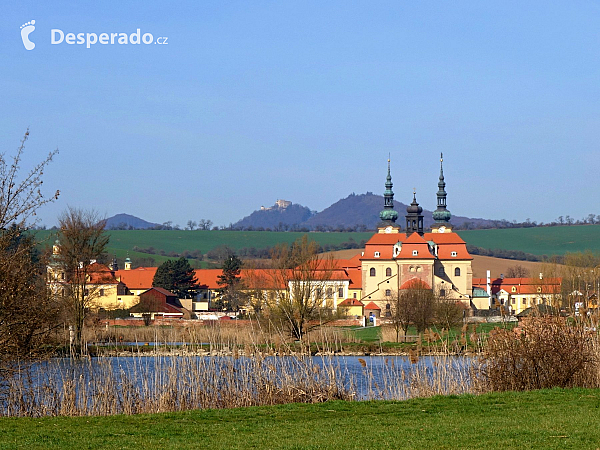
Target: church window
(453,254)
(457,272)
(355,295)
(340,292)
(415,252)
(388,272)
(388,292)
(514,289)
(387,306)
(376,254)
(372,271)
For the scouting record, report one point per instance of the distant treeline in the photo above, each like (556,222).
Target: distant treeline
(506,254)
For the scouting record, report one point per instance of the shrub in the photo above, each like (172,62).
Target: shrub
(543,352)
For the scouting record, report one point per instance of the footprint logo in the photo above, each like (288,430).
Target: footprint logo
(26,30)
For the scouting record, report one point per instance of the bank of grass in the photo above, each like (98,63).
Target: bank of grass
(557,418)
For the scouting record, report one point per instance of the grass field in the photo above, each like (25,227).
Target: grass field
(539,240)
(177,241)
(540,419)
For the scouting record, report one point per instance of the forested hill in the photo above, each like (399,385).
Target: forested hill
(126,221)
(355,211)
(276,218)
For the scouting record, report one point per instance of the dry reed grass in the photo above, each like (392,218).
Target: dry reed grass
(152,385)
(543,352)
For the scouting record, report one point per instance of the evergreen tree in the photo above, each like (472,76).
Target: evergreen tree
(177,277)
(230,295)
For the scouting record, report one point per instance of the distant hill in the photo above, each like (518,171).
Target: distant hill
(355,210)
(276,217)
(126,221)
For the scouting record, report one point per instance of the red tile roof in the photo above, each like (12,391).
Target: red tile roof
(140,278)
(351,302)
(100,274)
(521,286)
(372,305)
(415,283)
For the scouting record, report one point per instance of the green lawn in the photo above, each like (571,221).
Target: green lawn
(540,419)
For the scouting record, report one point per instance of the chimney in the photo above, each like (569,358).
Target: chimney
(489,288)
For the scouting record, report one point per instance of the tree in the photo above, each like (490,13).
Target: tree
(178,277)
(82,241)
(517,271)
(449,312)
(27,312)
(191,225)
(204,224)
(230,294)
(402,312)
(421,298)
(297,291)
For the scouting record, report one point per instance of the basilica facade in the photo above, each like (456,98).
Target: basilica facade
(394,259)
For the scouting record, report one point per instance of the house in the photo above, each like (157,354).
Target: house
(352,307)
(158,302)
(519,294)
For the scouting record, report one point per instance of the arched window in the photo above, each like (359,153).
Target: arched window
(388,272)
(457,272)
(372,271)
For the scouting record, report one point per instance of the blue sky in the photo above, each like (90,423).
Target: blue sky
(252,101)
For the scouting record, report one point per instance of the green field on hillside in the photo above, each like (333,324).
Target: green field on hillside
(123,242)
(540,419)
(538,241)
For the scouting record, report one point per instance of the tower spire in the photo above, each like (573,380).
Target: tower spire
(441,215)
(388,215)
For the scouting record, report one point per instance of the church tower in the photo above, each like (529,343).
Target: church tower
(388,216)
(414,217)
(441,215)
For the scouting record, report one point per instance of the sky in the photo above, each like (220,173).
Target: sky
(248,102)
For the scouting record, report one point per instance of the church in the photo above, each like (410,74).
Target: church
(396,259)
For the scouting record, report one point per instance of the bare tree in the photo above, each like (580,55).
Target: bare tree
(20,199)
(449,312)
(298,288)
(517,271)
(402,312)
(82,242)
(27,313)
